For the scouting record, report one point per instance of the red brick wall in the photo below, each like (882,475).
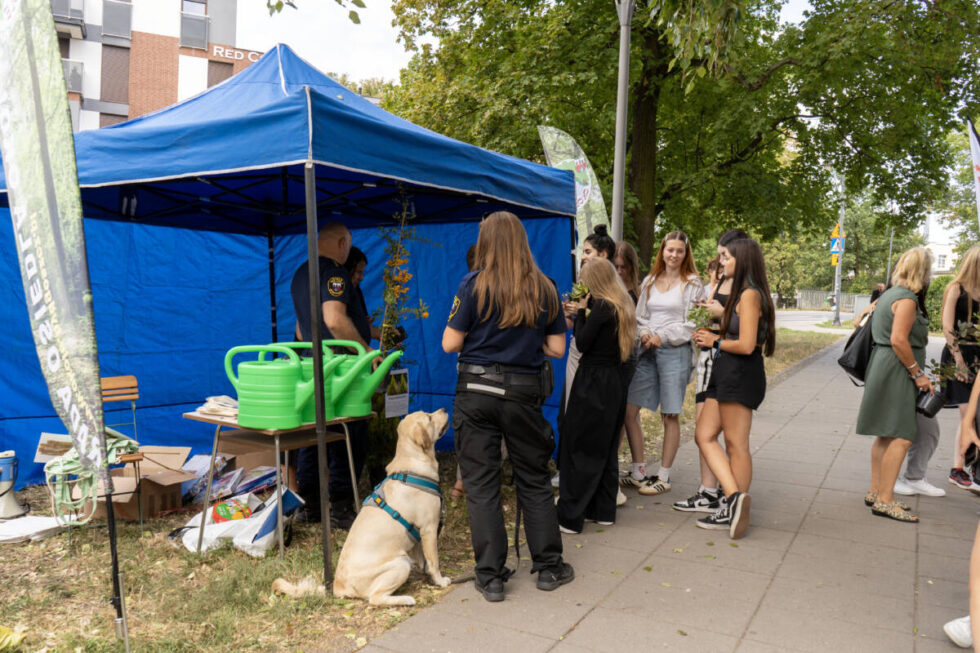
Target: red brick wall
(153,70)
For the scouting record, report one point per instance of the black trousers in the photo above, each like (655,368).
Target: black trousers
(479,422)
(341,491)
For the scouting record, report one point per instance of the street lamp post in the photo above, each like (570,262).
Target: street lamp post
(624,8)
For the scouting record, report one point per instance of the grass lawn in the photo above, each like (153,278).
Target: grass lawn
(58,589)
(845,325)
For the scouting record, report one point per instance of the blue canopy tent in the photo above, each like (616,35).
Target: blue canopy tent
(194,219)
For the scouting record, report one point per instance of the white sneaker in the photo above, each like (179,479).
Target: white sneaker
(902,487)
(958,630)
(620,498)
(921,486)
(554,480)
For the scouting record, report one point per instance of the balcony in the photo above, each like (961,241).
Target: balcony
(117,18)
(69,17)
(193,31)
(73,74)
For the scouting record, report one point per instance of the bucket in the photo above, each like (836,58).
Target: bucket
(8,467)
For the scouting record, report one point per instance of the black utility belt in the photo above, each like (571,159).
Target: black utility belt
(504,382)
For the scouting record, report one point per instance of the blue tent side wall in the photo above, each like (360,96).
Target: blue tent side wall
(170,302)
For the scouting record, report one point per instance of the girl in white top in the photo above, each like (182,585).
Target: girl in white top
(666,356)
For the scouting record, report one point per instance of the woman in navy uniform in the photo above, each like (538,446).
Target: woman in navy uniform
(505,320)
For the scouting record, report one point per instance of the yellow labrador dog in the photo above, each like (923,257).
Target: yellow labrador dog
(378,553)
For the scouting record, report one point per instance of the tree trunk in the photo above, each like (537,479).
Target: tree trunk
(643,143)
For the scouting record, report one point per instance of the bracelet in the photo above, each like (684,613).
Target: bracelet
(908,367)
(717,345)
(917,375)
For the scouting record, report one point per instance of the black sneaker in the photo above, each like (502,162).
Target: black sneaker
(552,579)
(719,520)
(738,509)
(700,502)
(493,591)
(959,478)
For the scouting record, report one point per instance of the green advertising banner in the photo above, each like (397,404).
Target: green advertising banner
(564,153)
(46,209)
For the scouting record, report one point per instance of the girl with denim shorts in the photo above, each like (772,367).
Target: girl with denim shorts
(665,363)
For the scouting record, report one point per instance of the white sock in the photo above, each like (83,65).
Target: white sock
(705,490)
(664,474)
(639,471)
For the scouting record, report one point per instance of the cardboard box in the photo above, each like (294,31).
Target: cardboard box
(242,455)
(160,491)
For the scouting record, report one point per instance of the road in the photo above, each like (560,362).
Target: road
(808,320)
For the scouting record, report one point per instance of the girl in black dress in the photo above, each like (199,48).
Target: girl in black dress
(738,382)
(605,327)
(961,302)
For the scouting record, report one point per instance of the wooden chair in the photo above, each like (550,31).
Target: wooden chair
(126,388)
(122,388)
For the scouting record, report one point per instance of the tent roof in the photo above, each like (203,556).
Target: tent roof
(232,157)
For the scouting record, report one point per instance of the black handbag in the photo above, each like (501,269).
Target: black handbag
(857,352)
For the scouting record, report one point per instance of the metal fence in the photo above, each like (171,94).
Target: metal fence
(818,299)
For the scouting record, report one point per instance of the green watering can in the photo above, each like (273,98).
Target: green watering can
(271,393)
(353,397)
(330,363)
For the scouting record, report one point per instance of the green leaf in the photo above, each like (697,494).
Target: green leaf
(358,3)
(354,18)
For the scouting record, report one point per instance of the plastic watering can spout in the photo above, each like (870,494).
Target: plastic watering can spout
(305,389)
(375,379)
(341,383)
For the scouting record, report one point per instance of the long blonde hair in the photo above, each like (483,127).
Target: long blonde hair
(509,279)
(604,283)
(913,269)
(968,275)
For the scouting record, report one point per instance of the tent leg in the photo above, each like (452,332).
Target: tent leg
(118,599)
(316,319)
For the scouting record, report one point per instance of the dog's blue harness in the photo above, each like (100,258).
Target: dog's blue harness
(377,498)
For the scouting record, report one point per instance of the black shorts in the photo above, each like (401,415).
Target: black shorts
(738,378)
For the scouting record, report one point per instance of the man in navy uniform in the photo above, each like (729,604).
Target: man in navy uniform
(333,246)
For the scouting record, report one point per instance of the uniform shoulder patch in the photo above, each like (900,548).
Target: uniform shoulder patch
(335,286)
(452,312)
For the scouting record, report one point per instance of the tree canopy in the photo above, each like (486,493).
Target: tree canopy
(735,119)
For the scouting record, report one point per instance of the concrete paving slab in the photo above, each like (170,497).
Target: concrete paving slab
(810,545)
(834,604)
(773,625)
(943,567)
(678,590)
(854,577)
(930,620)
(950,594)
(705,547)
(607,630)
(436,631)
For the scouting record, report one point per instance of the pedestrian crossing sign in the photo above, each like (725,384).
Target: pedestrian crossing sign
(836,245)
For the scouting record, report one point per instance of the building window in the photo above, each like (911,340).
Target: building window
(941,261)
(195,7)
(115,74)
(106,119)
(193,25)
(117,18)
(73,74)
(219,71)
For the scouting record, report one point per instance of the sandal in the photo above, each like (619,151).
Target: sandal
(893,511)
(872,497)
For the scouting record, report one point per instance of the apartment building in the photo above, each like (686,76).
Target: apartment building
(125,58)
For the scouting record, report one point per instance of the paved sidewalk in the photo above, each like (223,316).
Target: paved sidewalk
(816,572)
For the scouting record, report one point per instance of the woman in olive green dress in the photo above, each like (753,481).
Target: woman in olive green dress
(894,379)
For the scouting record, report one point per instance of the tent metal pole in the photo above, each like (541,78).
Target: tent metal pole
(316,320)
(273,314)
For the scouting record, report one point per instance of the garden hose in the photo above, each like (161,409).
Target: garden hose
(67,470)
